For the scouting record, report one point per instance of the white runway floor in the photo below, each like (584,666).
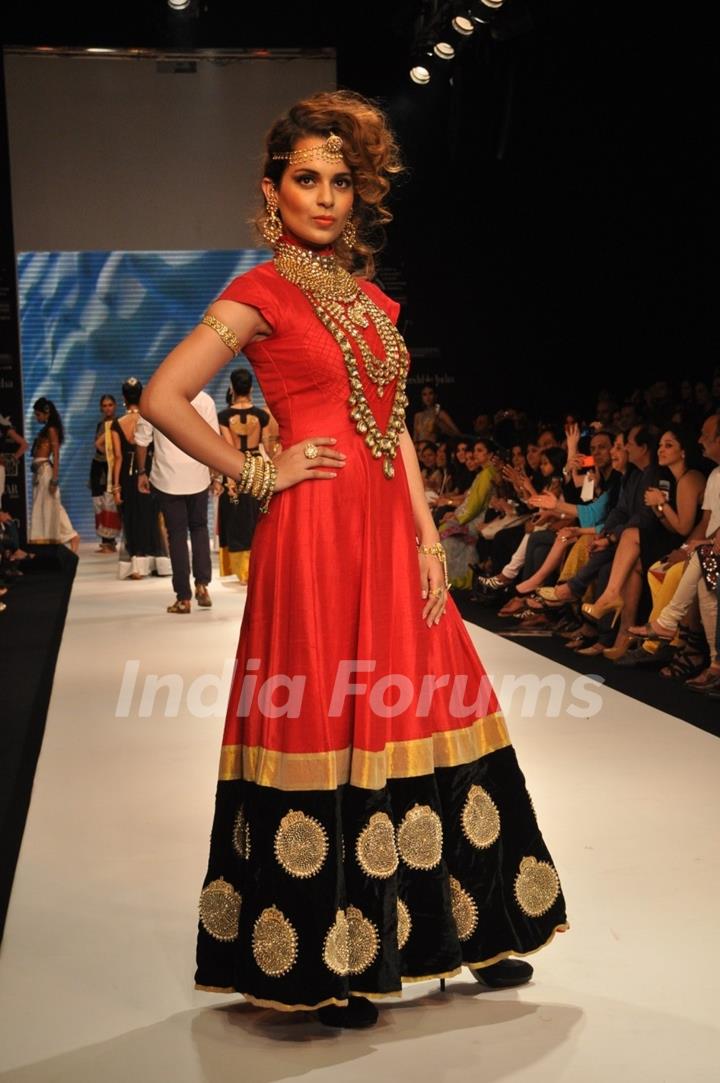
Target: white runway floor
(96,968)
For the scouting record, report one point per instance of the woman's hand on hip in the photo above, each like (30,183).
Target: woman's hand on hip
(295,464)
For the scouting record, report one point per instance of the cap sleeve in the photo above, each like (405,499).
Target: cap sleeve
(255,290)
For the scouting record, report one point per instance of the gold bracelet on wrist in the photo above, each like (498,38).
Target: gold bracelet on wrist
(242,481)
(270,486)
(437,550)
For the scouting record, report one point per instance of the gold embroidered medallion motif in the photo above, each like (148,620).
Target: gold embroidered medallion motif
(536,887)
(480,818)
(336,950)
(375,849)
(220,910)
(404,924)
(301,844)
(274,943)
(420,838)
(363,939)
(464,908)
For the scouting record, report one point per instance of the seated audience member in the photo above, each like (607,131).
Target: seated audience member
(698,582)
(675,505)
(459,529)
(427,457)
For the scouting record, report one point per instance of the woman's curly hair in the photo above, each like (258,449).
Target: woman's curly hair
(370,150)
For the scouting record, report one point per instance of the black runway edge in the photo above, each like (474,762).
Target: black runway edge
(31,630)
(645,685)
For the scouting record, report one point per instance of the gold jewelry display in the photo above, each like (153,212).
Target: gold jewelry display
(329,151)
(349,233)
(344,309)
(258,477)
(226,333)
(272,225)
(438,551)
(311,451)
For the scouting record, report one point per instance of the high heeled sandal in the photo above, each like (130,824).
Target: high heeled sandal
(595,613)
(690,659)
(619,650)
(649,654)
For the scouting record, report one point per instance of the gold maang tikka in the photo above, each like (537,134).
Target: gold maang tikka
(329,151)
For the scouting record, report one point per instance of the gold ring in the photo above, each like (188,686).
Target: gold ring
(438,592)
(311,451)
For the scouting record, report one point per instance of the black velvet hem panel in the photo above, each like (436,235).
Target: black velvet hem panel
(312,897)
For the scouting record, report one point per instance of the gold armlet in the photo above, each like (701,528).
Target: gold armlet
(226,333)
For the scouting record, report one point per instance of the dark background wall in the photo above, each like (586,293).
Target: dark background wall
(555,231)
(138,154)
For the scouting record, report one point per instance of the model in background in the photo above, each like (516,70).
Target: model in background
(12,448)
(144,547)
(246,428)
(50,523)
(105,477)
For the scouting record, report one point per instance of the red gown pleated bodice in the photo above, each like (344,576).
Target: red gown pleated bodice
(335,580)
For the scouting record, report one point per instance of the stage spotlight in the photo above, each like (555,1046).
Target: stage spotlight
(420,75)
(463,25)
(443,50)
(178,5)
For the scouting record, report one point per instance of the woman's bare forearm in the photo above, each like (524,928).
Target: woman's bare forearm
(425,527)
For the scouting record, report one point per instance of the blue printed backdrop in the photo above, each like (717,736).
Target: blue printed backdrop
(89,320)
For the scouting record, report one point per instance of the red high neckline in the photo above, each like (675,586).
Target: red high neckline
(290,238)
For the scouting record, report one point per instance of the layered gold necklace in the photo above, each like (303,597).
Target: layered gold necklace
(345,310)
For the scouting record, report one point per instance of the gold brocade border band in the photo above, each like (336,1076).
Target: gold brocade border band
(366,770)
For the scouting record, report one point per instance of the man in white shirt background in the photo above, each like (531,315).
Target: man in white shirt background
(181,486)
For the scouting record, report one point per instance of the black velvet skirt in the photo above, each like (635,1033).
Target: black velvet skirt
(311,897)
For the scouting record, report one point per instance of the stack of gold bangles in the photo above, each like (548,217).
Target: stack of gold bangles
(437,550)
(258,477)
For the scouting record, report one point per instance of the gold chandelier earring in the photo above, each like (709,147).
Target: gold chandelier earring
(271,227)
(349,233)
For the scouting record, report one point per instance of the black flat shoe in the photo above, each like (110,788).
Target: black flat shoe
(505,974)
(359,1013)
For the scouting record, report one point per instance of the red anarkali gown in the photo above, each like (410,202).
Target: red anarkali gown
(371,835)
